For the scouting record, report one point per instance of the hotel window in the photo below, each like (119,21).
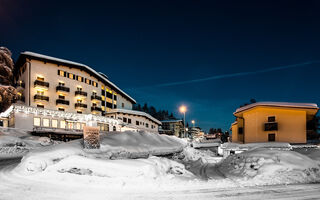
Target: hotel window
(79,111)
(87,81)
(82,125)
(40,106)
(61,96)
(271,137)
(71,76)
(103,108)
(70,125)
(79,88)
(40,78)
(122,105)
(79,100)
(137,123)
(36,121)
(60,73)
(78,126)
(79,78)
(61,109)
(94,104)
(61,83)
(147,125)
(54,123)
(65,74)
(124,119)
(129,120)
(40,92)
(102,97)
(46,122)
(102,87)
(114,128)
(63,124)
(271,119)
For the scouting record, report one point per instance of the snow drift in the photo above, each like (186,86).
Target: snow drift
(113,146)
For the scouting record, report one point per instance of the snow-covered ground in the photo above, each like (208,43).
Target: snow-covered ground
(162,165)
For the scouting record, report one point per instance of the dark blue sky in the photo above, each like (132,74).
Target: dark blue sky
(143,44)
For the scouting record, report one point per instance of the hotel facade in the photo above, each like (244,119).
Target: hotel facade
(47,85)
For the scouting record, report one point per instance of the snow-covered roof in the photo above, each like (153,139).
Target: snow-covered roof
(278,104)
(100,75)
(134,112)
(171,120)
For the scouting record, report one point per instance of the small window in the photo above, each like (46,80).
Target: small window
(61,109)
(54,123)
(79,78)
(71,76)
(147,125)
(114,128)
(40,106)
(124,119)
(36,121)
(40,78)
(271,119)
(79,88)
(78,126)
(271,137)
(46,122)
(137,123)
(122,105)
(61,96)
(129,121)
(78,111)
(61,83)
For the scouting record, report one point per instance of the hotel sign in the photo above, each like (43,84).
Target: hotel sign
(91,137)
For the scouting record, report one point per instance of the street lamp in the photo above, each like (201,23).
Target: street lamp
(193,122)
(183,109)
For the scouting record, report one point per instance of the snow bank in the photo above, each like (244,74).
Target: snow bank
(113,146)
(263,166)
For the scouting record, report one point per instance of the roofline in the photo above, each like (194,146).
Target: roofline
(278,104)
(27,54)
(134,112)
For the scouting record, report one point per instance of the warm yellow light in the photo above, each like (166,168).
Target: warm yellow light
(183,109)
(193,121)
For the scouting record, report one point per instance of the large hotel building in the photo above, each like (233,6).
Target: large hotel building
(57,94)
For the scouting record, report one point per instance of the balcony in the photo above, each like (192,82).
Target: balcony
(21,98)
(271,126)
(38,83)
(95,97)
(62,101)
(80,93)
(41,97)
(95,108)
(80,105)
(61,88)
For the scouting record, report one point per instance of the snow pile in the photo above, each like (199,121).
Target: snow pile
(113,146)
(251,146)
(190,154)
(263,167)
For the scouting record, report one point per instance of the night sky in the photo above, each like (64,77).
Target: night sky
(211,56)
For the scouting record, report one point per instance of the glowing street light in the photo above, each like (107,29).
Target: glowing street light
(183,109)
(193,122)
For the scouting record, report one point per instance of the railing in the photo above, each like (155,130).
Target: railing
(95,108)
(41,83)
(41,97)
(95,97)
(271,126)
(62,88)
(82,93)
(62,101)
(80,105)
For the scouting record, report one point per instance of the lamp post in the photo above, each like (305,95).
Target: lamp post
(183,109)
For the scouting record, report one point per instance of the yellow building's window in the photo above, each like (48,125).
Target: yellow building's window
(78,126)
(46,122)
(71,76)
(70,125)
(40,78)
(114,102)
(63,124)
(36,121)
(54,123)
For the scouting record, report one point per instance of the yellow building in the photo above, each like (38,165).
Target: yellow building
(272,122)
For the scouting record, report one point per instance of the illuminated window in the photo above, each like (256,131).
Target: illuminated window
(54,123)
(71,76)
(102,87)
(102,97)
(63,124)
(82,125)
(40,78)
(40,92)
(61,109)
(79,78)
(60,73)
(109,100)
(70,125)
(46,122)
(87,81)
(79,88)
(79,111)
(36,121)
(61,83)
(78,125)
(103,108)
(79,100)
(40,106)
(61,96)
